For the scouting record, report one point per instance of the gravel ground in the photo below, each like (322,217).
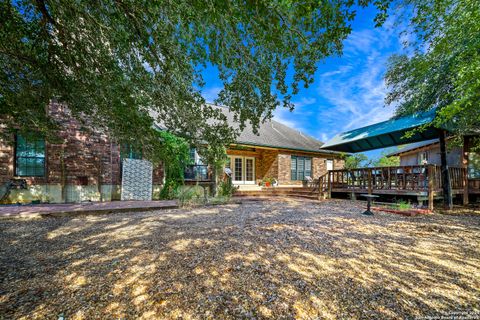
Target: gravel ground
(272,259)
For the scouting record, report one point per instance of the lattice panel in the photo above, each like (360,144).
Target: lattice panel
(136,179)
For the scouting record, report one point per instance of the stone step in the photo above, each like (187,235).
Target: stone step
(312,197)
(280,193)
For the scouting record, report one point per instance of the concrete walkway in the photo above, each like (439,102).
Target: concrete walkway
(27,211)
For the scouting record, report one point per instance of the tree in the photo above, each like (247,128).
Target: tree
(386,161)
(443,70)
(121,65)
(357,160)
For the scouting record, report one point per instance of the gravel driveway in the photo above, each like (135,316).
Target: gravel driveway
(272,259)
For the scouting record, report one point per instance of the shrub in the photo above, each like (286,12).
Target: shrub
(226,189)
(189,196)
(403,205)
(169,190)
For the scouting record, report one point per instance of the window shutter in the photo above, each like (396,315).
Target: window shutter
(308,167)
(293,168)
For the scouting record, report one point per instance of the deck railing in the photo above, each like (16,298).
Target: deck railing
(196,172)
(401,178)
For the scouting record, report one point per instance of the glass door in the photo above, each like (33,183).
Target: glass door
(237,171)
(249,170)
(243,170)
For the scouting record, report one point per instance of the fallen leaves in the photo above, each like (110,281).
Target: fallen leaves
(254,260)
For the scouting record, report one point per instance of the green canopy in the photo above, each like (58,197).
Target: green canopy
(384,134)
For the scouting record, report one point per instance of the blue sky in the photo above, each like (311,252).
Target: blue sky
(348,91)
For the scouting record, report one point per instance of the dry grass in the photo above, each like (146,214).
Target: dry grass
(277,259)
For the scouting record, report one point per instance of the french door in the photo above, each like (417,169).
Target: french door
(243,170)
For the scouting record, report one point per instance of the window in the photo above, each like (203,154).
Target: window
(301,167)
(423,159)
(29,157)
(129,152)
(195,157)
(473,165)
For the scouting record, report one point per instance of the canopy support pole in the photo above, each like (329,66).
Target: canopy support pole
(465,150)
(447,188)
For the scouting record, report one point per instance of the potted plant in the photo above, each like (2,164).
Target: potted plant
(267,182)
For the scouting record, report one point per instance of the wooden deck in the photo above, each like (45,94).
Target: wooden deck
(421,181)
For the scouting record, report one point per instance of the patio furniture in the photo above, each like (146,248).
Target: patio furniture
(369,203)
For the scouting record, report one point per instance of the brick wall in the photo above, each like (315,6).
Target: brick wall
(77,156)
(277,163)
(319,166)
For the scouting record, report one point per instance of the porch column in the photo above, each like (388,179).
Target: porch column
(465,150)
(446,186)
(431,186)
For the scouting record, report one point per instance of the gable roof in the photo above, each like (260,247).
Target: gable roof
(384,134)
(413,146)
(274,134)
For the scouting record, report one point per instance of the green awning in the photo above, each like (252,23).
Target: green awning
(384,134)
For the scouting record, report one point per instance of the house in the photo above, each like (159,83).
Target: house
(87,166)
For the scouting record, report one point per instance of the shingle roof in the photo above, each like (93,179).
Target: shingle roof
(271,133)
(274,134)
(412,146)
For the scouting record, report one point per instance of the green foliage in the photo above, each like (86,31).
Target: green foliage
(169,190)
(443,69)
(269,180)
(173,151)
(357,160)
(385,161)
(404,205)
(226,188)
(189,196)
(122,65)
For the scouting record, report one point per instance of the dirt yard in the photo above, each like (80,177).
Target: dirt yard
(272,259)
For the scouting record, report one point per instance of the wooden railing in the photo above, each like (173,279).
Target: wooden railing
(401,178)
(322,185)
(196,172)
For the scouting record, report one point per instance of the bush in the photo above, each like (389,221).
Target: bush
(189,196)
(226,189)
(169,190)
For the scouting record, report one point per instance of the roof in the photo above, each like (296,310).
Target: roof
(274,134)
(384,134)
(413,146)
(271,134)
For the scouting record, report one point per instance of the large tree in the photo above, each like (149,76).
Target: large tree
(443,69)
(123,64)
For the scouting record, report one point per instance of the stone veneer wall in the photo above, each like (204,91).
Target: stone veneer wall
(276,164)
(79,156)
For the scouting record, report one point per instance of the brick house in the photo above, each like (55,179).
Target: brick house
(86,166)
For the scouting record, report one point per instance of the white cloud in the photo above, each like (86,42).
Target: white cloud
(210,94)
(354,93)
(304,101)
(288,118)
(299,116)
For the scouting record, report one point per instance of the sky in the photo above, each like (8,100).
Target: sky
(348,91)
